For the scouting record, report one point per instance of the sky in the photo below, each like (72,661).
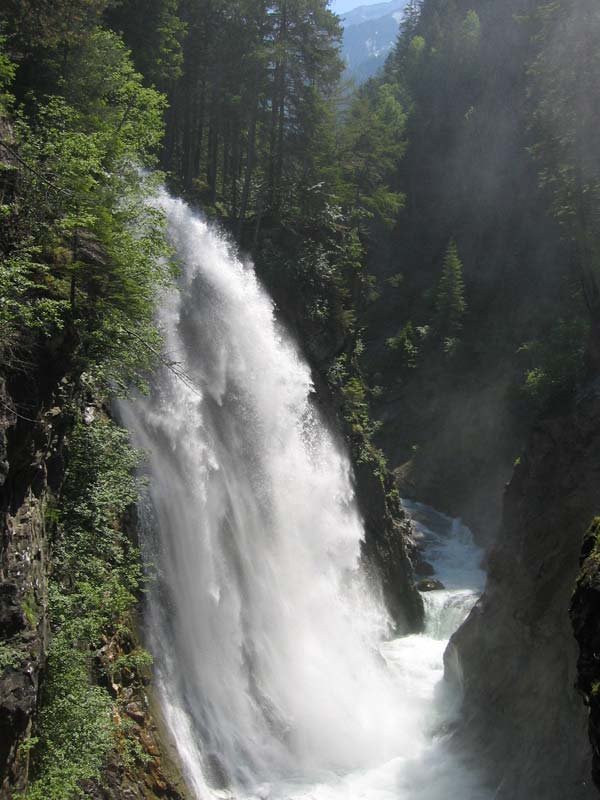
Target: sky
(341,6)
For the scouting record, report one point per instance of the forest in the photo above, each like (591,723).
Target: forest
(430,241)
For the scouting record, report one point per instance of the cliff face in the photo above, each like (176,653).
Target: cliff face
(515,657)
(32,463)
(389,548)
(450,438)
(23,587)
(585,615)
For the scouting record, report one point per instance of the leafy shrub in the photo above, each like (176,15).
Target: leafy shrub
(82,247)
(10,657)
(76,724)
(556,362)
(406,345)
(95,584)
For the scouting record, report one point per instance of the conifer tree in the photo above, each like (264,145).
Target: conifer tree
(564,91)
(450,303)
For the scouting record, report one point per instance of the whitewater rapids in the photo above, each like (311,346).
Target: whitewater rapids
(275,672)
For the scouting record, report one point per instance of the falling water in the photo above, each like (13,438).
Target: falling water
(271,656)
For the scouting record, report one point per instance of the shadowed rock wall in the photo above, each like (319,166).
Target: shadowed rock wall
(515,657)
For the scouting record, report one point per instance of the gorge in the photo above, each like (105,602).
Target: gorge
(299,402)
(272,649)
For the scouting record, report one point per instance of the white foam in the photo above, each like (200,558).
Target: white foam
(276,678)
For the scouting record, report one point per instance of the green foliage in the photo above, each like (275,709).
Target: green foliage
(23,312)
(406,344)
(131,749)
(374,142)
(564,92)
(355,396)
(416,48)
(345,377)
(258,140)
(95,584)
(322,266)
(120,116)
(555,363)
(50,28)
(158,42)
(450,304)
(76,726)
(83,257)
(395,280)
(10,657)
(131,664)
(7,74)
(252,122)
(471,33)
(28,745)
(99,487)
(588,574)
(30,609)
(315,274)
(84,250)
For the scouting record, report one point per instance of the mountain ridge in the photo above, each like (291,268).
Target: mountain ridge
(370,33)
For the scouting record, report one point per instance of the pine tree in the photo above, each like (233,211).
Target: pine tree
(410,20)
(564,91)
(374,145)
(450,303)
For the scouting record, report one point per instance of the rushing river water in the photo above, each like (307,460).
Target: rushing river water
(273,663)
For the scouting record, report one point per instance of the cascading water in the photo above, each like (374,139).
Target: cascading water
(271,659)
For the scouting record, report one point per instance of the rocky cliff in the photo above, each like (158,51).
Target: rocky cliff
(515,657)
(33,453)
(585,615)
(389,549)
(24,571)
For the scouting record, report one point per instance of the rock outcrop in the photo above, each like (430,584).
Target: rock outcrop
(389,548)
(585,616)
(154,773)
(33,451)
(23,587)
(515,657)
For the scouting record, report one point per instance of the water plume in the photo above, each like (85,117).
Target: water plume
(271,660)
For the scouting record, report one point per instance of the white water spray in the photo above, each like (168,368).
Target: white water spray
(270,649)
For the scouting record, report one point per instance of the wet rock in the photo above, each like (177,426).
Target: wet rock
(148,740)
(388,547)
(585,617)
(135,712)
(430,585)
(7,420)
(23,597)
(217,772)
(515,658)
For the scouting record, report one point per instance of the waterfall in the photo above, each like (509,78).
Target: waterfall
(270,653)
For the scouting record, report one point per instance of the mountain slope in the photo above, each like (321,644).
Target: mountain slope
(369,35)
(367,13)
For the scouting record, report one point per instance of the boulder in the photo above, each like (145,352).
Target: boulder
(430,585)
